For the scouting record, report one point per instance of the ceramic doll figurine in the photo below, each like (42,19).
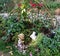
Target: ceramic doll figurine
(21,45)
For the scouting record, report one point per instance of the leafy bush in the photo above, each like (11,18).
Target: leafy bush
(2,27)
(47,46)
(53,5)
(14,26)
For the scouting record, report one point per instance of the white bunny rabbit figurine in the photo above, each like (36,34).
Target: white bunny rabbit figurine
(33,35)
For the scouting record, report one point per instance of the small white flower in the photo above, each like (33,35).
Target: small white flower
(11,52)
(23,10)
(24,51)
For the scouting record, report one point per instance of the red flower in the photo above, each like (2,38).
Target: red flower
(33,4)
(40,5)
(19,5)
(36,5)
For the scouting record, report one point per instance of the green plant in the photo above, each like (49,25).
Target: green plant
(47,46)
(53,5)
(6,5)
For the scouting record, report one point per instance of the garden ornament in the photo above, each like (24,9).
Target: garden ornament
(21,45)
(21,36)
(33,36)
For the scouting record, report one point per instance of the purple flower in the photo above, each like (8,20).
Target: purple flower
(30,54)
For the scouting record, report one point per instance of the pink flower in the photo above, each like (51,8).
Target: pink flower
(30,54)
(33,5)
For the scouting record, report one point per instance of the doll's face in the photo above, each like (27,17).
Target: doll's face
(21,36)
